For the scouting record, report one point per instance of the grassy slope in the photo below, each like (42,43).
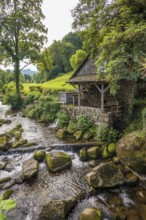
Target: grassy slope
(56,84)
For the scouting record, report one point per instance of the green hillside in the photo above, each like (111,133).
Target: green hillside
(57,84)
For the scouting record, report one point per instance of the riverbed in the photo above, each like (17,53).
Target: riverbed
(31,196)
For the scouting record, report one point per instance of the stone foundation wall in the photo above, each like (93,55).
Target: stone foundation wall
(95,114)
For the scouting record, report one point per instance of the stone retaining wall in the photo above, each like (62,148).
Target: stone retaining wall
(95,114)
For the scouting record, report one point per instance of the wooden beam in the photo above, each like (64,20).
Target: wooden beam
(79,95)
(97,87)
(102,97)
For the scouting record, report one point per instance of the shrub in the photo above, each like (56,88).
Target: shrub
(63,119)
(106,135)
(83,123)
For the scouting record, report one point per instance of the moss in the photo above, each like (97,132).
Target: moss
(5,179)
(78,135)
(58,161)
(93,152)
(105,153)
(19,143)
(7,194)
(83,154)
(39,155)
(87,135)
(61,133)
(30,144)
(112,148)
(17,135)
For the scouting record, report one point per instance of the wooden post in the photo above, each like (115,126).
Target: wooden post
(79,96)
(102,97)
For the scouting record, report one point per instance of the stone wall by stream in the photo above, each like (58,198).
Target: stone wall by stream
(95,114)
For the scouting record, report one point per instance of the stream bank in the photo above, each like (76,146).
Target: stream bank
(31,196)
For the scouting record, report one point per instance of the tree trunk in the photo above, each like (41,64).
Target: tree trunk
(17,81)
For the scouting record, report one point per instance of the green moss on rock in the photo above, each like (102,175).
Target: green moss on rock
(58,161)
(19,143)
(39,155)
(93,152)
(78,135)
(7,194)
(61,133)
(105,153)
(112,148)
(83,154)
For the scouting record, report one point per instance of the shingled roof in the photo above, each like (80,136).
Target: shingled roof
(86,73)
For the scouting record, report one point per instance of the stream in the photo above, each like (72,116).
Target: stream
(30,196)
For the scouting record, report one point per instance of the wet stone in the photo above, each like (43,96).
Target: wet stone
(2,165)
(141,195)
(115,200)
(131,179)
(30,168)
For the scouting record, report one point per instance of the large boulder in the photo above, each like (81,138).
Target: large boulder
(30,168)
(91,214)
(131,150)
(105,175)
(56,209)
(58,161)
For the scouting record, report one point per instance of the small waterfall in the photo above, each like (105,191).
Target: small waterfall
(54,124)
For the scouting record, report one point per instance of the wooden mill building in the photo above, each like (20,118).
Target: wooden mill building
(95,100)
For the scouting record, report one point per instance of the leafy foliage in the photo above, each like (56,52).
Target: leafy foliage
(77,58)
(115,36)
(6,205)
(83,123)
(106,135)
(63,119)
(21,33)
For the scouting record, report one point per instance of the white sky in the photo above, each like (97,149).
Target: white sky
(58,18)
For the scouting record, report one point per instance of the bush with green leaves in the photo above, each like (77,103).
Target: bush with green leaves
(11,97)
(106,135)
(83,123)
(63,119)
(43,109)
(6,205)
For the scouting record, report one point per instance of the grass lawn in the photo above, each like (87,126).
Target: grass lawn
(57,84)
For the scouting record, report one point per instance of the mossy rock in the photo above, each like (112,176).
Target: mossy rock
(78,135)
(70,129)
(87,135)
(57,161)
(19,143)
(61,133)
(17,135)
(93,152)
(5,143)
(5,179)
(112,148)
(91,214)
(7,194)
(30,144)
(131,150)
(39,155)
(83,154)
(105,153)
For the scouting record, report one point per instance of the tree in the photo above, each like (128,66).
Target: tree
(77,58)
(115,36)
(45,64)
(21,33)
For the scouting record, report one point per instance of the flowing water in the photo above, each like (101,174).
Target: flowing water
(31,196)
